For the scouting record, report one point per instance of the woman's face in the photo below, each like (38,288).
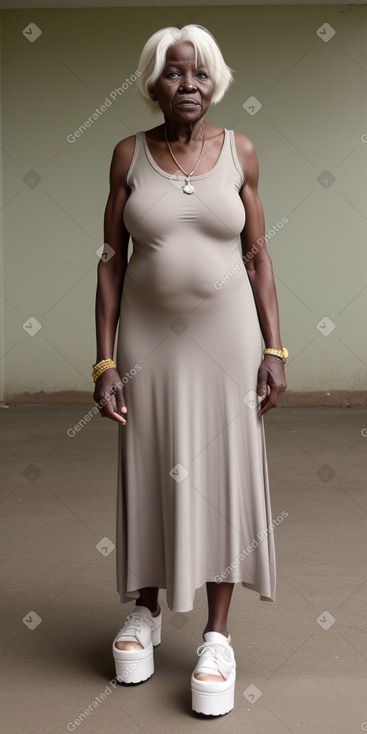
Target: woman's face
(183,91)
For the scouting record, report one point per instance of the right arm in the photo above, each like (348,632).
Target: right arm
(110,278)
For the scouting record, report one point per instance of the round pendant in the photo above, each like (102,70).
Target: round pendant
(188,188)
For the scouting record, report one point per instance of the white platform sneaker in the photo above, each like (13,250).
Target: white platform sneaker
(216,657)
(136,665)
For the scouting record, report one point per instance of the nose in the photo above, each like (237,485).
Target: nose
(187,84)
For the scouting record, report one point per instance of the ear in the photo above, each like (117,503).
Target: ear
(152,94)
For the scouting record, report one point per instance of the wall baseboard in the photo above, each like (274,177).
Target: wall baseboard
(291,399)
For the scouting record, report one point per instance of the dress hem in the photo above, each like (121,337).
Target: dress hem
(133,595)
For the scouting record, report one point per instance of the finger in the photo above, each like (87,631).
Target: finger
(261,387)
(120,400)
(262,392)
(266,405)
(271,401)
(108,409)
(113,415)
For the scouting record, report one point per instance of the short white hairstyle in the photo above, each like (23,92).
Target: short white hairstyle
(207,53)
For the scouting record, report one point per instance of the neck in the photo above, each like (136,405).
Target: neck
(184,132)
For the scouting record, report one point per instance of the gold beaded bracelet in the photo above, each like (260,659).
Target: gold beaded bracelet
(281,353)
(101,366)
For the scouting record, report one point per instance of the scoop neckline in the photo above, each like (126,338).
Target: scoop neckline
(182,176)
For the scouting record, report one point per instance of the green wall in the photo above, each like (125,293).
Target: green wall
(313,119)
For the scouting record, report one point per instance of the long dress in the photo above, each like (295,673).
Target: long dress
(193,502)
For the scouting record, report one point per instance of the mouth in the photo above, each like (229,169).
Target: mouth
(187,103)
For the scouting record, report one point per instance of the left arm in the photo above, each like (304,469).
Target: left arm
(271,382)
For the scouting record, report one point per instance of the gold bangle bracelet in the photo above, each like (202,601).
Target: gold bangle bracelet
(281,353)
(100,367)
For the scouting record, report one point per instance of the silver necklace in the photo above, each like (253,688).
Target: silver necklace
(188,188)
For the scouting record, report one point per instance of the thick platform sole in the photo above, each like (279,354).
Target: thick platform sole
(132,667)
(210,699)
(135,666)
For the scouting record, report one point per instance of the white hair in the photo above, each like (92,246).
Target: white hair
(207,52)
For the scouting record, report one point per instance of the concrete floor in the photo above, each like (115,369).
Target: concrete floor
(301,662)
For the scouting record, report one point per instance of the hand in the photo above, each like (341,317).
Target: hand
(271,383)
(109,396)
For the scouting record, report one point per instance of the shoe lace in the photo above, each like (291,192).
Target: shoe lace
(220,653)
(134,621)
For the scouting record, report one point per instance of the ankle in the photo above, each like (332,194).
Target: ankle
(154,607)
(221,628)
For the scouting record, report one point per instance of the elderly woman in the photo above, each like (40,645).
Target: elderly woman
(193,379)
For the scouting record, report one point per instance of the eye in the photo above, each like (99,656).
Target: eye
(172,73)
(202,74)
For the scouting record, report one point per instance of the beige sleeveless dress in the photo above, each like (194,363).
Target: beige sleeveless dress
(193,500)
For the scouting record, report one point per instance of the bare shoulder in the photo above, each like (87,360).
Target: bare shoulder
(122,154)
(246,155)
(244,146)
